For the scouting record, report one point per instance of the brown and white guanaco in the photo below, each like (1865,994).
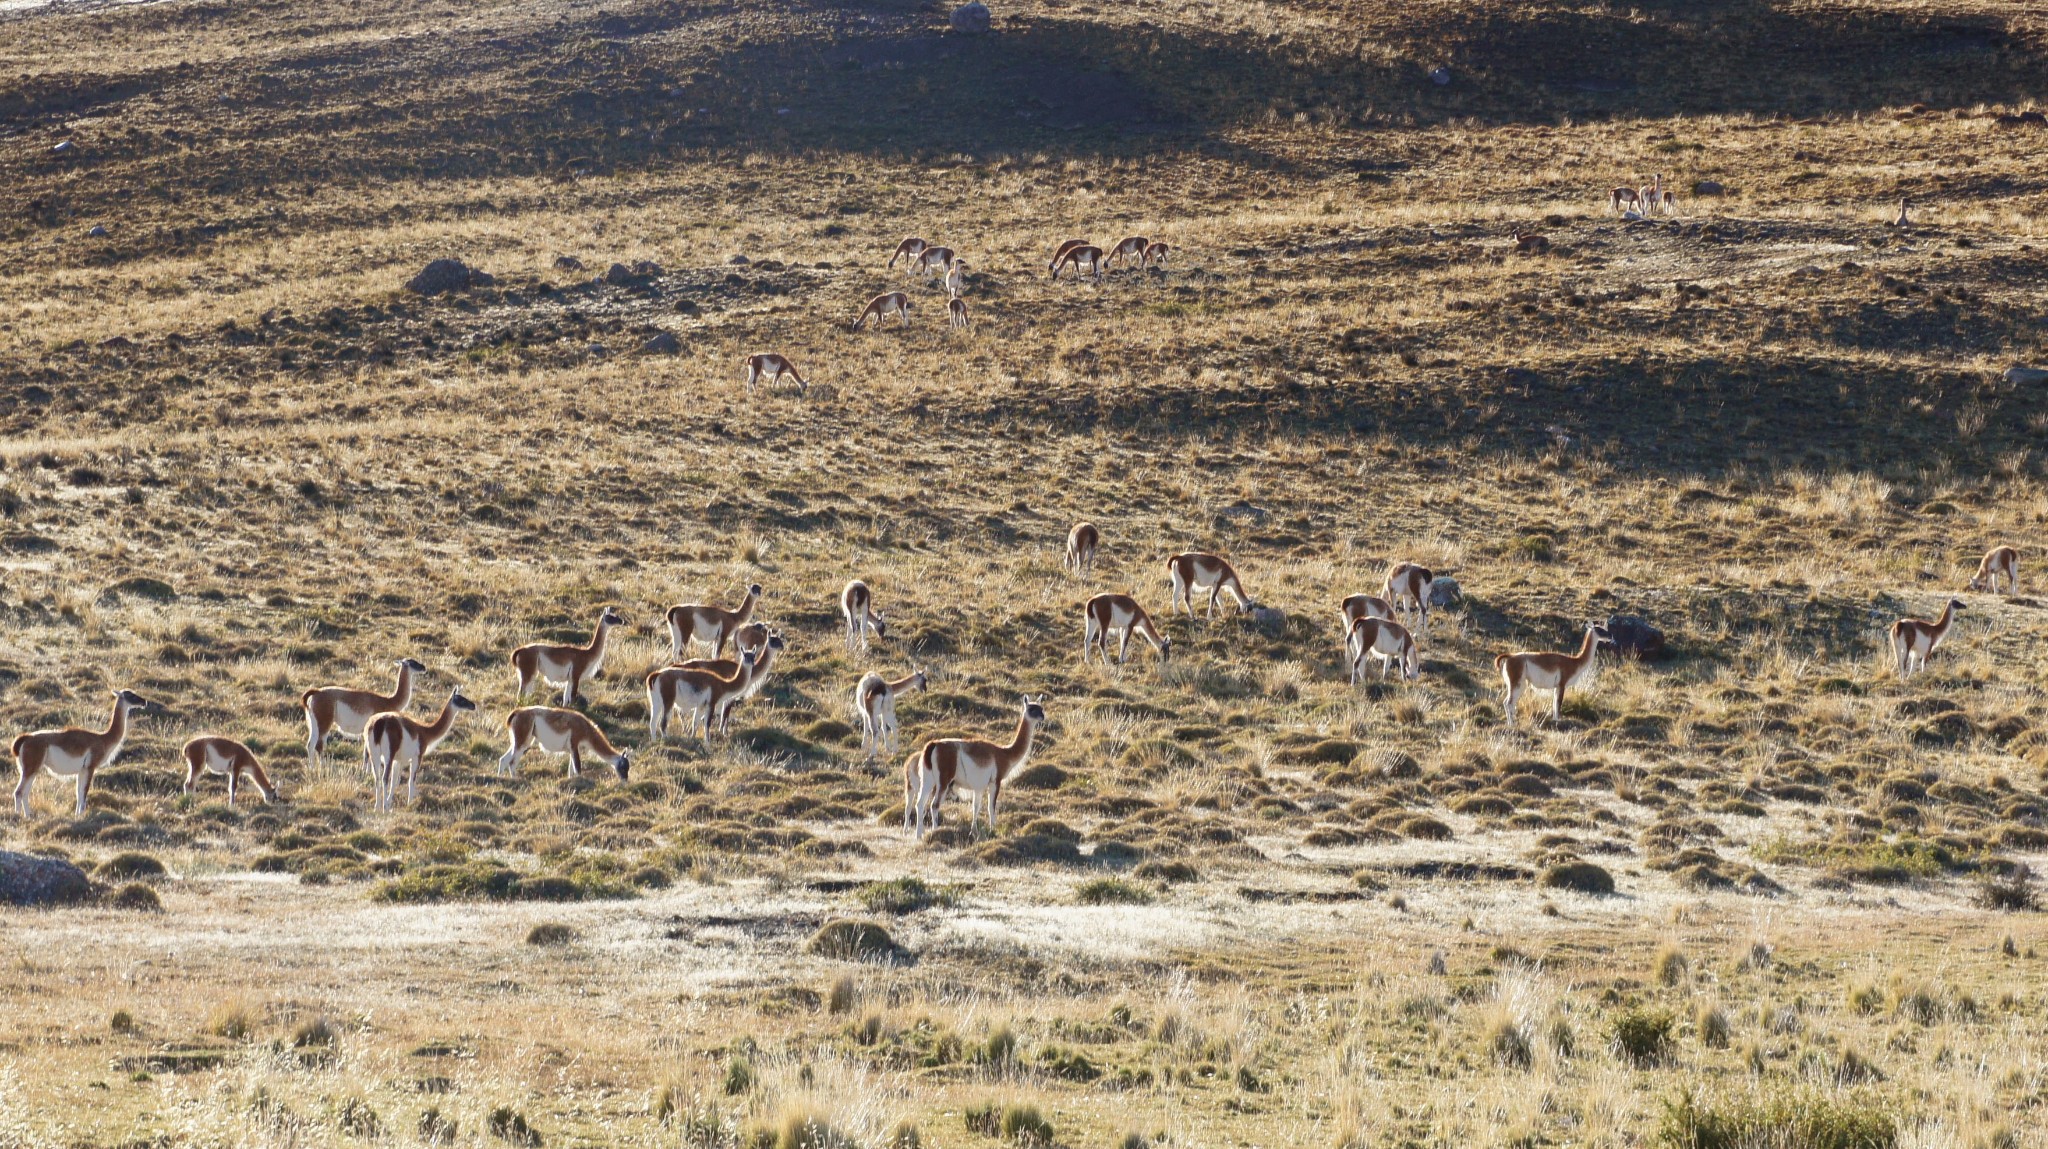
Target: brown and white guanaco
(1119,613)
(768,368)
(703,698)
(1129,249)
(956,278)
(1914,640)
(565,664)
(1550,670)
(757,679)
(908,251)
(557,731)
(874,703)
(225,757)
(1998,562)
(1407,586)
(1387,641)
(393,739)
(884,305)
(979,766)
(1155,253)
(1082,543)
(1622,198)
(1060,255)
(332,710)
(1193,571)
(956,313)
(857,606)
(1076,256)
(933,261)
(73,752)
(695,622)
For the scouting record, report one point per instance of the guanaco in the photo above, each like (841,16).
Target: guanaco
(757,679)
(908,251)
(1128,249)
(933,261)
(332,710)
(1914,640)
(1082,543)
(558,731)
(1407,586)
(213,754)
(1059,257)
(1119,613)
(981,767)
(694,622)
(566,664)
(1194,571)
(857,606)
(699,694)
(1548,670)
(874,703)
(1903,219)
(1155,253)
(1622,198)
(884,305)
(956,278)
(73,752)
(769,366)
(956,313)
(1359,606)
(1075,257)
(1387,641)
(1998,562)
(752,636)
(392,739)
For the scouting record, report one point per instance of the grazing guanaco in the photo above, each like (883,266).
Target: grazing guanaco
(1129,248)
(1998,562)
(980,766)
(72,752)
(857,606)
(933,261)
(566,664)
(956,278)
(771,367)
(1387,641)
(699,694)
(1155,253)
(1550,670)
(1082,543)
(1359,606)
(1407,586)
(1075,257)
(874,703)
(1193,571)
(1060,256)
(392,739)
(1622,198)
(558,731)
(764,664)
(956,313)
(884,305)
(332,710)
(908,251)
(694,622)
(213,754)
(1914,639)
(1120,613)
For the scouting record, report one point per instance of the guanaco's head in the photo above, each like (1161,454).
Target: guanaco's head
(1034,710)
(129,700)
(1165,649)
(622,765)
(412,664)
(1956,604)
(754,590)
(611,617)
(460,701)
(881,624)
(775,642)
(918,681)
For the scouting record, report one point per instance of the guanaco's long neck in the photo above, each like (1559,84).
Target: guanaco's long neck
(761,664)
(401,695)
(596,647)
(1585,653)
(1948,616)
(117,726)
(902,684)
(1020,745)
(745,613)
(438,729)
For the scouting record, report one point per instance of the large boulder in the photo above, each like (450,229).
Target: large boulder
(971,19)
(27,880)
(2020,376)
(440,276)
(1632,636)
(1444,591)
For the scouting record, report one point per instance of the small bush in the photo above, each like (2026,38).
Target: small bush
(1803,1121)
(1000,1048)
(136,896)
(1865,998)
(1585,877)
(121,1022)
(2008,894)
(551,934)
(905,896)
(1112,891)
(1509,1044)
(437,1128)
(845,993)
(849,940)
(1426,828)
(509,1125)
(357,1119)
(1642,1037)
(739,1076)
(1022,1124)
(129,867)
(315,1033)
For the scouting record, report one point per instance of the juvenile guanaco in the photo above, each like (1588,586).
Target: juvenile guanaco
(1998,562)
(769,366)
(1082,542)
(1128,249)
(72,752)
(558,731)
(874,703)
(332,710)
(565,664)
(1155,253)
(1193,571)
(1903,219)
(857,606)
(884,305)
(213,754)
(1387,641)
(908,251)
(981,767)
(956,278)
(1407,586)
(956,313)
(1914,640)
(392,739)
(1549,670)
(699,694)
(695,622)
(1076,256)
(1119,613)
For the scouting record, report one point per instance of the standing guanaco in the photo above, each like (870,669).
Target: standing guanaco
(1128,249)
(1194,571)
(1076,256)
(332,710)
(857,606)
(699,694)
(956,313)
(884,305)
(1407,586)
(558,731)
(73,752)
(565,664)
(771,367)
(1387,641)
(392,739)
(874,703)
(1155,253)
(908,251)
(956,278)
(981,767)
(757,679)
(1120,613)
(933,261)
(1552,671)
(1624,197)
(213,754)
(1359,606)
(1998,562)
(710,625)
(1914,639)
(1082,543)
(1903,219)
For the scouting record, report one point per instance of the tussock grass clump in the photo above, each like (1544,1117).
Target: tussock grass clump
(845,993)
(234,1020)
(849,940)
(2011,895)
(437,1128)
(1507,1042)
(551,934)
(1023,1125)
(1669,966)
(1712,1025)
(1584,877)
(509,1125)
(801,1129)
(130,867)
(136,896)
(1112,892)
(1641,1037)
(121,1022)
(317,1033)
(1805,1120)
(905,895)
(354,1117)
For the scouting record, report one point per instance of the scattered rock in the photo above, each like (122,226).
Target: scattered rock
(1633,637)
(568,263)
(1708,187)
(618,275)
(1270,619)
(971,19)
(64,146)
(664,343)
(599,351)
(2026,376)
(26,880)
(1444,591)
(442,275)
(1246,511)
(739,261)
(99,231)
(1440,76)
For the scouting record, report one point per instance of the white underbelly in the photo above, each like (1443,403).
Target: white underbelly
(60,761)
(350,721)
(215,761)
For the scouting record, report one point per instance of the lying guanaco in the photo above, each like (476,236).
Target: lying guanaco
(874,703)
(1075,257)
(392,739)
(1194,571)
(908,251)
(332,710)
(1998,562)
(557,731)
(73,752)
(1914,640)
(1552,671)
(981,767)
(213,754)
(956,313)
(1119,613)
(1082,542)
(857,606)
(695,622)
(698,694)
(565,664)
(1059,257)
(1407,586)
(1128,249)
(771,367)
(884,305)
(1387,641)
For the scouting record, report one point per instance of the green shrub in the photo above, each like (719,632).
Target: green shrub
(1642,1037)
